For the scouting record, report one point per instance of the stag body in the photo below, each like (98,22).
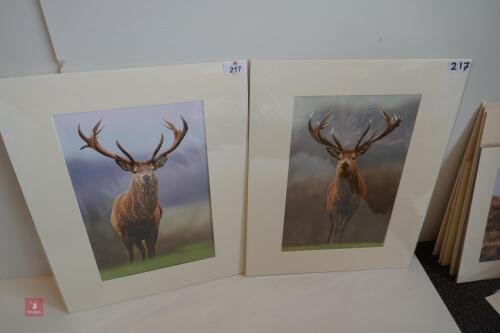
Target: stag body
(344,196)
(348,188)
(136,213)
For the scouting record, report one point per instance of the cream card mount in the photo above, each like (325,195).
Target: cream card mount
(343,158)
(481,248)
(131,186)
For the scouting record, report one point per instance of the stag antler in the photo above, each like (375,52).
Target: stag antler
(391,125)
(178,136)
(334,147)
(93,143)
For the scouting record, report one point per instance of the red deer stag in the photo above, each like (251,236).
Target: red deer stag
(136,213)
(348,187)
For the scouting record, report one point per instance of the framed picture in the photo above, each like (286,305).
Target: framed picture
(481,248)
(132,188)
(344,156)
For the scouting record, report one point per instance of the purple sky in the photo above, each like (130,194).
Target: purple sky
(137,129)
(97,179)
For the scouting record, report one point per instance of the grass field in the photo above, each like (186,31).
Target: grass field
(180,255)
(331,246)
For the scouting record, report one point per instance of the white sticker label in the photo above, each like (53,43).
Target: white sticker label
(235,67)
(459,65)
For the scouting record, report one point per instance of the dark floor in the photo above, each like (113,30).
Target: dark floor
(465,301)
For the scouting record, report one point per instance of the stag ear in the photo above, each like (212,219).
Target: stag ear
(159,162)
(125,166)
(332,152)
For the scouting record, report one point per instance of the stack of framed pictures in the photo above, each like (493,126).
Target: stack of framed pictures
(469,237)
(136,179)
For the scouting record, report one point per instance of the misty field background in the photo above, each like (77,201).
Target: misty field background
(185,232)
(311,169)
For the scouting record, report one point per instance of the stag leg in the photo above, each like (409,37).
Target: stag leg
(344,224)
(140,246)
(337,234)
(339,231)
(129,245)
(336,230)
(330,233)
(151,243)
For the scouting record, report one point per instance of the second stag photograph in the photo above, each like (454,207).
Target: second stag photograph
(347,155)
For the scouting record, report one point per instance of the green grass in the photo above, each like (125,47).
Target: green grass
(180,255)
(331,246)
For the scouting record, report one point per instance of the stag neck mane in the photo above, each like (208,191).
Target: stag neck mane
(352,182)
(143,198)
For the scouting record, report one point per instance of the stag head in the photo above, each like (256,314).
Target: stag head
(346,158)
(143,170)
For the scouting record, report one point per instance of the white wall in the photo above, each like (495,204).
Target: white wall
(95,34)
(24,50)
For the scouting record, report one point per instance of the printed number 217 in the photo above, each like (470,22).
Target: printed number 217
(459,65)
(234,69)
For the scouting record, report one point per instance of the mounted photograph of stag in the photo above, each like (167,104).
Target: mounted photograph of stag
(140,177)
(347,155)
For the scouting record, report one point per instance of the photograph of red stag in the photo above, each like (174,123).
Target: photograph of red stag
(136,213)
(153,203)
(348,186)
(347,155)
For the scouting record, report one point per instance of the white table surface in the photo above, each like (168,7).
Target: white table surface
(362,301)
